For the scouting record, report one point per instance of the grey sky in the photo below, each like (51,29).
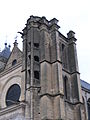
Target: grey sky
(72,15)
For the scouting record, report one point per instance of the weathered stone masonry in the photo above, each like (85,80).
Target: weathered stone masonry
(43,81)
(57,60)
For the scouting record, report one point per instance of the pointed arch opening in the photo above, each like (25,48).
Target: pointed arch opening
(36,58)
(14,62)
(36,74)
(65,86)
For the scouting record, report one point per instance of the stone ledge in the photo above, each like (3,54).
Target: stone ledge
(12,108)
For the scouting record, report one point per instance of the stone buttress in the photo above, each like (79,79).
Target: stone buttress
(49,58)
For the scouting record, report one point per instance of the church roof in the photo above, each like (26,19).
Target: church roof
(6,52)
(85,85)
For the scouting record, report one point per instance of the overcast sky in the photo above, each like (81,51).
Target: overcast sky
(72,15)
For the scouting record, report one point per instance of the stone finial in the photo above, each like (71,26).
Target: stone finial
(9,46)
(53,24)
(5,44)
(15,43)
(53,21)
(33,19)
(44,21)
(71,35)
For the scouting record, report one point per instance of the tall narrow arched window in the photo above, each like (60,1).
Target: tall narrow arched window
(29,57)
(28,76)
(36,74)
(84,109)
(36,45)
(88,104)
(65,86)
(36,58)
(63,46)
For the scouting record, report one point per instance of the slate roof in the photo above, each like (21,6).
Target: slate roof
(85,85)
(6,52)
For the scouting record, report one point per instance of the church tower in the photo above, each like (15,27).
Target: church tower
(50,72)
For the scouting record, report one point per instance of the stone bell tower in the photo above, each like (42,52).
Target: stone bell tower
(50,70)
